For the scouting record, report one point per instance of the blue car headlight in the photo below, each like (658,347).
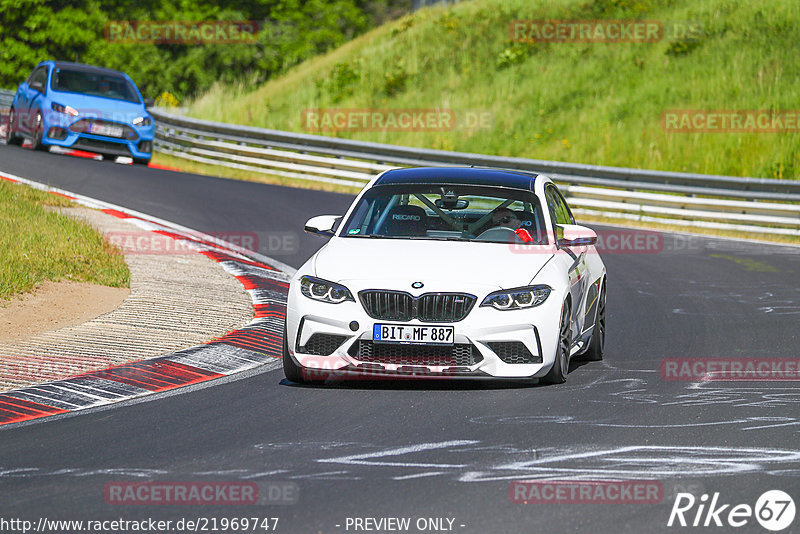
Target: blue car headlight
(324,291)
(67,110)
(143,121)
(519,298)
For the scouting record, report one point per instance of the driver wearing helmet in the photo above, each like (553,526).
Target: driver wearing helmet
(504,217)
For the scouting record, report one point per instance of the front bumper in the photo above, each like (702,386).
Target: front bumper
(57,132)
(535,328)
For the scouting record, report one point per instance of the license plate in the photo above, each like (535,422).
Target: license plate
(404,333)
(108,131)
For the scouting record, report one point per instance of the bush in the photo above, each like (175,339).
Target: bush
(36,30)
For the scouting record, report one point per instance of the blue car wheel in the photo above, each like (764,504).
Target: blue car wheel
(38,133)
(12,138)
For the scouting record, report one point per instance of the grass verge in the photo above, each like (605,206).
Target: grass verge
(39,244)
(589,102)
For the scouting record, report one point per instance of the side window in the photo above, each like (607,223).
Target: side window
(565,211)
(552,205)
(559,212)
(33,75)
(359,220)
(39,75)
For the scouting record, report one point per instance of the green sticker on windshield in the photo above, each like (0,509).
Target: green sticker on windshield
(354,231)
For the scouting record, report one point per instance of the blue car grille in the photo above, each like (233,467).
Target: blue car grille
(91,126)
(103,147)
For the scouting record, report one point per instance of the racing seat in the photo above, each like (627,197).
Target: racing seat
(405,221)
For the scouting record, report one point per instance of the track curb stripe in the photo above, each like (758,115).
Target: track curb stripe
(14,410)
(253,345)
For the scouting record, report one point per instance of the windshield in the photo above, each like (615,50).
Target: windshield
(448,212)
(91,83)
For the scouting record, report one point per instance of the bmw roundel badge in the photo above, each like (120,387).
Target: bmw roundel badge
(417,285)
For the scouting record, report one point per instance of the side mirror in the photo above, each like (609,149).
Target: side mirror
(149,102)
(37,86)
(575,235)
(322,225)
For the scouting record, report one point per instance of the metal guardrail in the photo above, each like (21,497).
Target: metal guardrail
(692,200)
(709,201)
(6,97)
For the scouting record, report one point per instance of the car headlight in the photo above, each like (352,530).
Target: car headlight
(142,121)
(519,298)
(69,110)
(324,291)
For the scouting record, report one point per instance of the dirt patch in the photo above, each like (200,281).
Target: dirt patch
(55,305)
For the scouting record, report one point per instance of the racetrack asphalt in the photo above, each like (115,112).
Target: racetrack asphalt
(445,449)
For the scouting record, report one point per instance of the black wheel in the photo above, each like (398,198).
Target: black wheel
(598,342)
(558,373)
(290,368)
(38,133)
(141,161)
(11,135)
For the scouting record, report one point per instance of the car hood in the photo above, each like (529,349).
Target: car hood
(99,107)
(440,265)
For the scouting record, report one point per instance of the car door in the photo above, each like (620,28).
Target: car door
(21,105)
(38,88)
(26,103)
(573,258)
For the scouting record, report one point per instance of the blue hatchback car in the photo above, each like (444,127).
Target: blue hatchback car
(82,107)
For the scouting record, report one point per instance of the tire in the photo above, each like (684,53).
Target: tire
(141,161)
(11,136)
(598,342)
(558,373)
(38,134)
(290,368)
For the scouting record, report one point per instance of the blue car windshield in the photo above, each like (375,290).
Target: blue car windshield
(448,212)
(94,84)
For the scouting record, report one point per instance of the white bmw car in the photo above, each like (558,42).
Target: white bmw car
(448,272)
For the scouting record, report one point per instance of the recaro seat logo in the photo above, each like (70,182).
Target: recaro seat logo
(402,217)
(774,510)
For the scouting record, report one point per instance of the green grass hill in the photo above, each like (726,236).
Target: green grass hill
(589,102)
